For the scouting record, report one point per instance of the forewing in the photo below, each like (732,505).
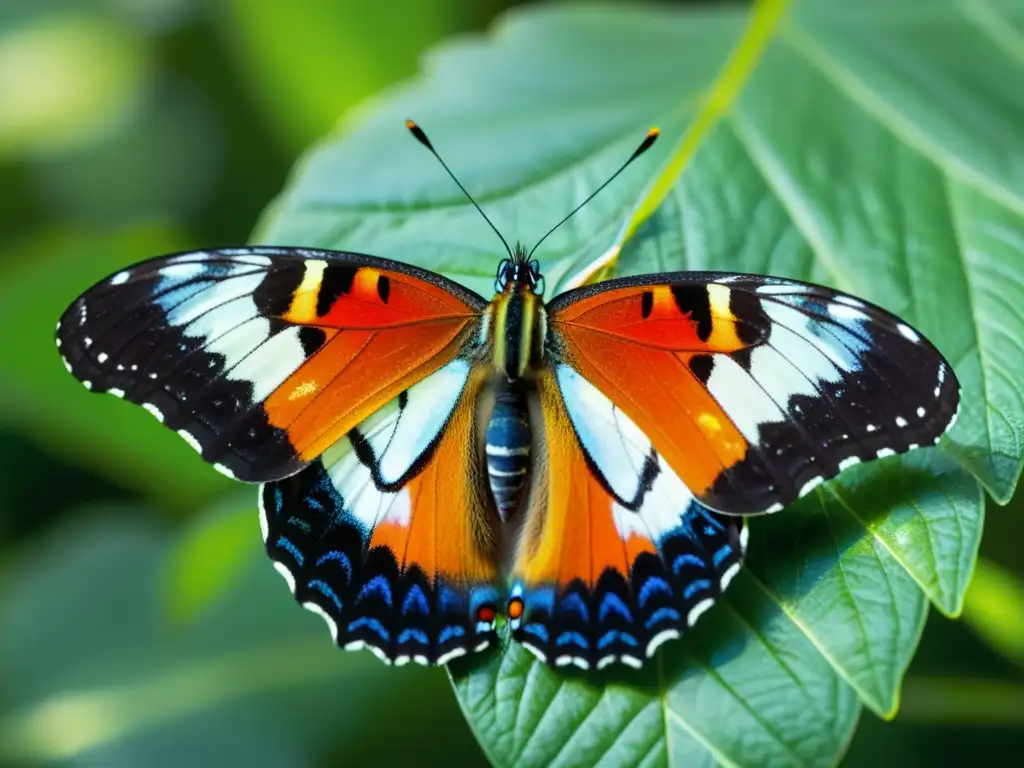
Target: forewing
(615,556)
(387,535)
(261,358)
(755,389)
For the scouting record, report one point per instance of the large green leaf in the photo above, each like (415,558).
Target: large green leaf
(869,146)
(95,672)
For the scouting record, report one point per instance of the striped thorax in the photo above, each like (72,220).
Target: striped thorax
(518,319)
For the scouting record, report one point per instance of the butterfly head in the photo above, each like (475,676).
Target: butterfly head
(519,274)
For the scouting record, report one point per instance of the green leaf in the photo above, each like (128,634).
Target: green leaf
(39,397)
(207,560)
(94,674)
(867,146)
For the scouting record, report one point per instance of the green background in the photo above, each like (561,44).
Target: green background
(139,620)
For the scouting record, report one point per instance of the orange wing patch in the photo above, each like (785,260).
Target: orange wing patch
(385,330)
(446,532)
(641,345)
(570,531)
(695,317)
(658,390)
(355,373)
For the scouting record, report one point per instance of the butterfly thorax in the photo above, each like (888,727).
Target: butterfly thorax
(518,321)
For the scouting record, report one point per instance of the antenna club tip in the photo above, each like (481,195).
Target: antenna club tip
(654,133)
(416,131)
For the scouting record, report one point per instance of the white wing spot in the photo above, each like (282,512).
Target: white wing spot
(870,428)
(847,311)
(87,384)
(920,412)
(224,471)
(331,624)
(119,278)
(286,575)
(848,462)
(900,421)
(811,484)
(87,342)
(188,438)
(912,446)
(154,410)
(908,333)
(455,653)
(729,575)
(784,289)
(697,611)
(116,392)
(883,452)
(102,357)
(264,526)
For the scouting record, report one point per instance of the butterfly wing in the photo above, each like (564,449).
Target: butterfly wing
(754,389)
(615,556)
(262,358)
(387,536)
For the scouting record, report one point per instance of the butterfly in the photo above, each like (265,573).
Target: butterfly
(431,461)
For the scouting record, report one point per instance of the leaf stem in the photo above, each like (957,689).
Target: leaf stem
(762,23)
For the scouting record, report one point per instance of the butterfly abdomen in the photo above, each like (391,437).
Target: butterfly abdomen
(508,449)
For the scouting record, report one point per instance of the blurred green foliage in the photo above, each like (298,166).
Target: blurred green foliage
(134,127)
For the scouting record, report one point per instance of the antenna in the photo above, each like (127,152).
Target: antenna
(649,139)
(421,137)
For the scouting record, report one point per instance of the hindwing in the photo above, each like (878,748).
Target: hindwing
(615,556)
(388,535)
